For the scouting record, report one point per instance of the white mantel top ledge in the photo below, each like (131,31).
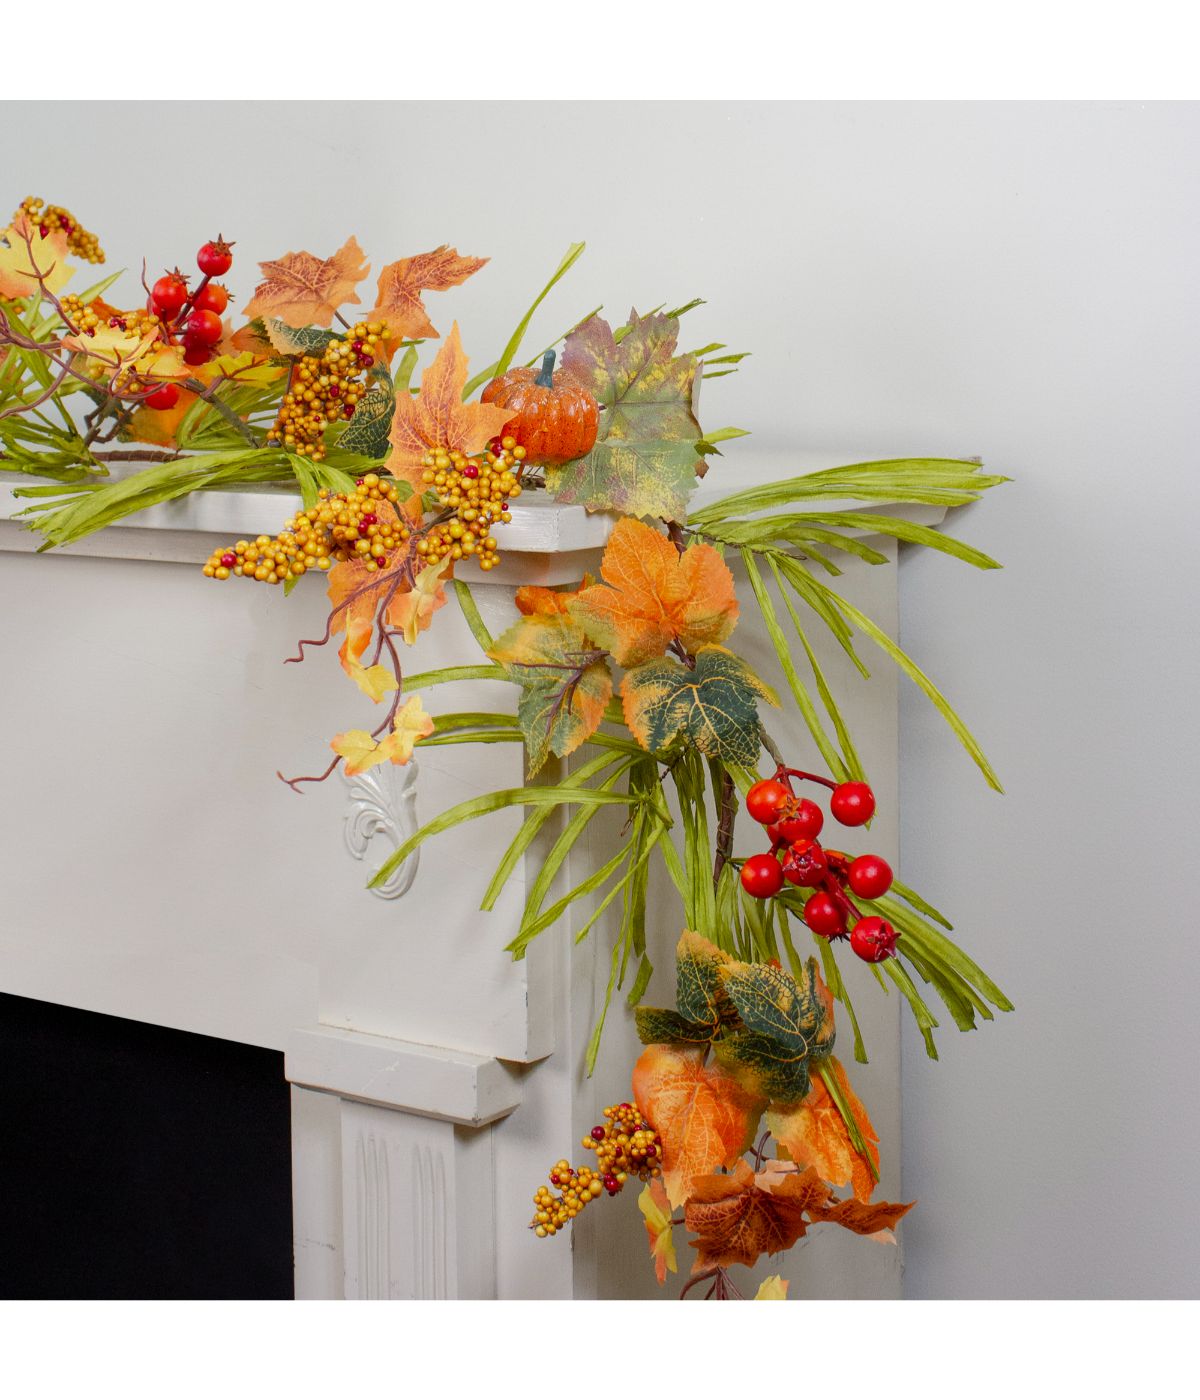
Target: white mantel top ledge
(428,1080)
(186,531)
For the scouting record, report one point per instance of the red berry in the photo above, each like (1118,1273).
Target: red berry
(852,803)
(165,396)
(762,877)
(804,863)
(169,294)
(204,327)
(211,297)
(215,258)
(196,354)
(370,518)
(765,801)
(870,876)
(229,560)
(804,823)
(555,1179)
(597,1134)
(873,939)
(470,471)
(625,1105)
(824,915)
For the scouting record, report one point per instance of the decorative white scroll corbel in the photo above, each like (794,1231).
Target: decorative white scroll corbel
(383,800)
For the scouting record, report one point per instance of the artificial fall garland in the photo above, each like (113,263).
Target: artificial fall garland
(401,487)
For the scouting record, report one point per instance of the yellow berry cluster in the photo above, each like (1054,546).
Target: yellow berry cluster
(49,217)
(477,490)
(326,388)
(337,528)
(624,1147)
(90,316)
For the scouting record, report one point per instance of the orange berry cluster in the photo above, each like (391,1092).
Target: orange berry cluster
(49,217)
(326,388)
(339,527)
(477,490)
(88,317)
(624,1147)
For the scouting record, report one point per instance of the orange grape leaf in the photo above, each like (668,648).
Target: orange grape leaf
(876,1222)
(773,1288)
(18,259)
(653,595)
(534,600)
(437,416)
(355,591)
(815,1135)
(374,681)
(302,290)
(412,611)
(703,1116)
(737,1219)
(398,298)
(656,1209)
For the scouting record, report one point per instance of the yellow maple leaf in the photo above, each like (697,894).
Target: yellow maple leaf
(374,681)
(359,750)
(656,1209)
(653,595)
(398,298)
(413,611)
(773,1288)
(301,289)
(437,416)
(20,260)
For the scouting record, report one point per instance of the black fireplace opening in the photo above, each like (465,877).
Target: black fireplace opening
(139,1162)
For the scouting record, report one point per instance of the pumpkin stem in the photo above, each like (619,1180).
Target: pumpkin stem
(546,373)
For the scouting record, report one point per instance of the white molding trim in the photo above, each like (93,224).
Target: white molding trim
(435,1082)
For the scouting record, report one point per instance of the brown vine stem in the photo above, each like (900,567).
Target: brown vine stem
(728,815)
(772,748)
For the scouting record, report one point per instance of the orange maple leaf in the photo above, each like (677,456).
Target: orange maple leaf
(704,1118)
(535,601)
(302,290)
(401,283)
(815,1135)
(653,595)
(437,416)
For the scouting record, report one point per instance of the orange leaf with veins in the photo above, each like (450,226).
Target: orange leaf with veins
(374,681)
(401,283)
(18,259)
(412,610)
(704,1117)
(437,416)
(355,591)
(535,601)
(814,1134)
(656,1212)
(653,595)
(302,290)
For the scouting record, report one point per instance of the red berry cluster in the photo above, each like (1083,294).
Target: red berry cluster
(793,824)
(193,317)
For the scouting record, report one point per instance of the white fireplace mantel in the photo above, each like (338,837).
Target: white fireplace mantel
(158,870)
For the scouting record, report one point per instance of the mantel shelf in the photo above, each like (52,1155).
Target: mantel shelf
(187,531)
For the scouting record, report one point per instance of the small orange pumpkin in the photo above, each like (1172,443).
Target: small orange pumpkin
(556,417)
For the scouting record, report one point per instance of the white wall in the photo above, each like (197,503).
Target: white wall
(1017,281)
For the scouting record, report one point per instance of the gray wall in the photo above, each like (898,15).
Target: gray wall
(1017,281)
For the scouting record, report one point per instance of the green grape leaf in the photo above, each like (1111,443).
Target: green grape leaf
(798,1016)
(565,683)
(700,995)
(367,431)
(292,340)
(661,1026)
(645,460)
(763,1066)
(713,706)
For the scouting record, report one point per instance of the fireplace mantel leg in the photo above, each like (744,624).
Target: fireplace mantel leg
(393,1166)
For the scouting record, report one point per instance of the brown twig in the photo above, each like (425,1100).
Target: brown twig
(725,823)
